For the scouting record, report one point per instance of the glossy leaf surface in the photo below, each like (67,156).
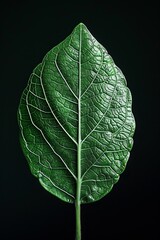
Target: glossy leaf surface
(76,120)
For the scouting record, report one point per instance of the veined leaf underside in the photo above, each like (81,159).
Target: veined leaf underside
(77,103)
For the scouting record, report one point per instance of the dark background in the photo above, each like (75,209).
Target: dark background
(130,34)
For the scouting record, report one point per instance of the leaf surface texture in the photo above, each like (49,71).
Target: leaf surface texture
(77,97)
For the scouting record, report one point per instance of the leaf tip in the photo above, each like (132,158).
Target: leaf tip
(81,25)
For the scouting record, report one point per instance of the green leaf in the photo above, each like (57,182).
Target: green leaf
(76,121)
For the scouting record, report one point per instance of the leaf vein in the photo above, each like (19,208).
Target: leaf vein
(56,63)
(104,112)
(47,140)
(95,76)
(52,110)
(62,190)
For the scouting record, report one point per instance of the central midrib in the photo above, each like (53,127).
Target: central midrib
(79,122)
(78,185)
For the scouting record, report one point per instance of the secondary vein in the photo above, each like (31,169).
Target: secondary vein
(52,110)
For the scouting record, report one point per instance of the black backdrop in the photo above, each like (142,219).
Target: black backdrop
(130,34)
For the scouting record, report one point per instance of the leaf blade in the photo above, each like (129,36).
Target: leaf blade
(77,91)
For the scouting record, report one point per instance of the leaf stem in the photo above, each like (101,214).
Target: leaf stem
(78,220)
